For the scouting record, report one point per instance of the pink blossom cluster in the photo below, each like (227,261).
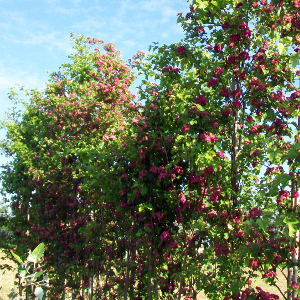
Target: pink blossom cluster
(200,100)
(208,137)
(170,69)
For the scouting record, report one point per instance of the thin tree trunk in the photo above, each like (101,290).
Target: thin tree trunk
(288,282)
(149,277)
(234,147)
(132,276)
(127,274)
(295,257)
(91,282)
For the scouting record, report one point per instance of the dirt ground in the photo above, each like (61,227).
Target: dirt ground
(7,282)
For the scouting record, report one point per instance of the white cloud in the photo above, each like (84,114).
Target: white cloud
(15,76)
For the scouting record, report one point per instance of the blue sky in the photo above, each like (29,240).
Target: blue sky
(35,35)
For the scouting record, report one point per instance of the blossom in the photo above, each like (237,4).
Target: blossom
(295,285)
(226,112)
(269,273)
(234,38)
(225,25)
(218,48)
(212,81)
(200,29)
(209,170)
(224,92)
(165,235)
(237,104)
(181,49)
(218,72)
(221,154)
(208,137)
(200,100)
(231,59)
(186,127)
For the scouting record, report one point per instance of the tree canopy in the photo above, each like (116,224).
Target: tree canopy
(125,194)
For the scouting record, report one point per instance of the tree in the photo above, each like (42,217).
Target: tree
(60,146)
(227,90)
(200,164)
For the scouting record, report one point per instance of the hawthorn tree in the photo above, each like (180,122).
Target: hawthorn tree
(220,110)
(62,146)
(126,195)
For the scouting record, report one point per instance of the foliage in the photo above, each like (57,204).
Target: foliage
(126,194)
(29,272)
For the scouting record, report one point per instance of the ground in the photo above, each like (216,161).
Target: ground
(7,282)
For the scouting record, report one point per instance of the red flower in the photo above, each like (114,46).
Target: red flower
(165,235)
(231,59)
(225,25)
(295,285)
(234,38)
(200,100)
(221,154)
(218,48)
(181,49)
(212,82)
(237,104)
(218,72)
(224,92)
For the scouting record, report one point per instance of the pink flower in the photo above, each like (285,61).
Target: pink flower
(165,235)
(295,285)
(218,48)
(221,154)
(159,215)
(209,170)
(255,213)
(225,25)
(200,100)
(186,127)
(226,112)
(237,104)
(269,274)
(143,173)
(212,81)
(249,119)
(231,59)
(218,72)
(181,49)
(224,92)
(182,199)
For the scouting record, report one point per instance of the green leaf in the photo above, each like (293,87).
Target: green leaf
(263,224)
(39,273)
(39,251)
(17,257)
(36,254)
(148,229)
(291,225)
(202,4)
(144,191)
(281,48)
(273,155)
(294,59)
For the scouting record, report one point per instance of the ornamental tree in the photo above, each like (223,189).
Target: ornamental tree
(189,191)
(62,146)
(223,106)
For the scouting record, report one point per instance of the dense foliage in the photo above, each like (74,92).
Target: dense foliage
(189,191)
